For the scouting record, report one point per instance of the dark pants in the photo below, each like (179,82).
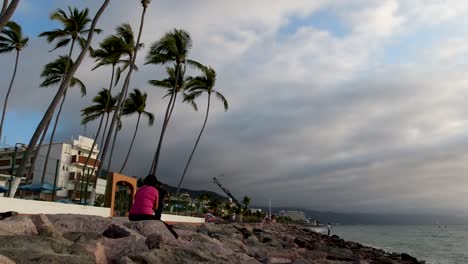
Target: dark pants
(141,217)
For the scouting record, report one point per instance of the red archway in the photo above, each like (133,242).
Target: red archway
(115,182)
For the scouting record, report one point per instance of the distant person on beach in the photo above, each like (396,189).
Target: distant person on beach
(162,193)
(146,200)
(329,228)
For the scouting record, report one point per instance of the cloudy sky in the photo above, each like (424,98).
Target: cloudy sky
(351,106)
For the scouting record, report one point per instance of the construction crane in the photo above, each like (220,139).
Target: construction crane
(217,182)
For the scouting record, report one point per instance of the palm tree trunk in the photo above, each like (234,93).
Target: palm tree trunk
(63,87)
(131,144)
(7,12)
(89,156)
(196,144)
(166,121)
(107,103)
(51,140)
(120,101)
(57,118)
(111,154)
(8,93)
(34,158)
(4,7)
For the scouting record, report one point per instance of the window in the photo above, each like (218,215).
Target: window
(79,153)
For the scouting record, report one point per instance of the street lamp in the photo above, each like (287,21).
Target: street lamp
(13,164)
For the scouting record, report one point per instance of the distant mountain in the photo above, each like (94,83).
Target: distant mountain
(195,193)
(376,219)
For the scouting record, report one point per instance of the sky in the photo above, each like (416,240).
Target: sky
(346,106)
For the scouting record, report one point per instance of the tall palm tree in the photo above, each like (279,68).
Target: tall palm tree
(74,27)
(122,95)
(115,49)
(11,38)
(60,92)
(122,42)
(53,73)
(7,12)
(136,103)
(198,86)
(103,104)
(173,47)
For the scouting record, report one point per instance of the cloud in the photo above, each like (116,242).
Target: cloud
(317,119)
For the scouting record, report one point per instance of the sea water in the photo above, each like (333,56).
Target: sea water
(432,243)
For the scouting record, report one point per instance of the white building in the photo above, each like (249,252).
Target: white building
(71,156)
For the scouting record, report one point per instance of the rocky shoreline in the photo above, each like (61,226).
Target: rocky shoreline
(90,239)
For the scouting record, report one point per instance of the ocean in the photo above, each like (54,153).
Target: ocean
(431,243)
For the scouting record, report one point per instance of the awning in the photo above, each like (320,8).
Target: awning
(39,187)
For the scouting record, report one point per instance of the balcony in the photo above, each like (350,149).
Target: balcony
(80,160)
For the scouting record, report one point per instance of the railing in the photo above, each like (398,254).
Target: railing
(82,159)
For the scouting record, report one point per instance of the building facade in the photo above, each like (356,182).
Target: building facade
(66,160)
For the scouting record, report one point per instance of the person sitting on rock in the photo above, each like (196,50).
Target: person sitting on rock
(146,200)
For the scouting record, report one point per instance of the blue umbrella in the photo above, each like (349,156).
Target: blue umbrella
(38,187)
(3,189)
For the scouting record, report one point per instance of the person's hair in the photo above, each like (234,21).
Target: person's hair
(150,180)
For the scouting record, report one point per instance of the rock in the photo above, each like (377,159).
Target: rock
(146,228)
(409,259)
(5,260)
(6,233)
(7,214)
(94,249)
(252,241)
(82,236)
(49,231)
(19,225)
(155,241)
(341,254)
(117,231)
(37,249)
(116,248)
(79,223)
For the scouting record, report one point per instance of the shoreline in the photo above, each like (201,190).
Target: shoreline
(92,239)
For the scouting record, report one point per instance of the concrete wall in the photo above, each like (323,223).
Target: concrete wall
(182,219)
(38,207)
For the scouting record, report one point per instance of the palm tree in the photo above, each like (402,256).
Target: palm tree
(103,104)
(60,92)
(54,73)
(246,201)
(74,26)
(111,51)
(136,103)
(11,38)
(124,43)
(199,85)
(173,47)
(7,12)
(122,95)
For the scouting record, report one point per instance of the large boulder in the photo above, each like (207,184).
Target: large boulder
(146,228)
(79,223)
(37,249)
(19,225)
